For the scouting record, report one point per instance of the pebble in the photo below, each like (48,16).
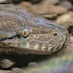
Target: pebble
(5,1)
(66,4)
(50,2)
(47,11)
(65,19)
(6,63)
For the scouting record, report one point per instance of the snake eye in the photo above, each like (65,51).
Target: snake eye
(25,32)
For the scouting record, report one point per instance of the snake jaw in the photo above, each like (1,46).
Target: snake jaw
(34,46)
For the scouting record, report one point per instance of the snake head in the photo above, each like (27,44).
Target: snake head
(30,34)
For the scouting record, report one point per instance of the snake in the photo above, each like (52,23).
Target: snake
(23,32)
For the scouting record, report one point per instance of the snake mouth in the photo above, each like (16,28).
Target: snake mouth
(15,45)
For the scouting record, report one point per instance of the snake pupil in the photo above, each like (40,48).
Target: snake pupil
(25,32)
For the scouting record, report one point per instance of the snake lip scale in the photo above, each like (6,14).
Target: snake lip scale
(27,33)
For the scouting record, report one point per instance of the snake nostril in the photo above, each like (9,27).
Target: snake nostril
(55,34)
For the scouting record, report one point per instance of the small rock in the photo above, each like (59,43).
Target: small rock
(6,63)
(32,63)
(5,71)
(26,6)
(50,2)
(16,70)
(65,19)
(5,1)
(47,11)
(66,4)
